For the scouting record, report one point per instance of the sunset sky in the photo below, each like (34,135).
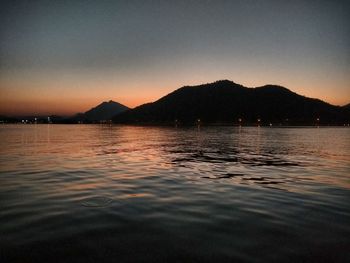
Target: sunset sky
(63,57)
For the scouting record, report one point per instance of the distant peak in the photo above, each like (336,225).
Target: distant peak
(224,81)
(108,102)
(220,83)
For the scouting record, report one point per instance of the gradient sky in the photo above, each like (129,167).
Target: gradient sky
(63,57)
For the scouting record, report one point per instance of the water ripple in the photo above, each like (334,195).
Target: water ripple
(97,201)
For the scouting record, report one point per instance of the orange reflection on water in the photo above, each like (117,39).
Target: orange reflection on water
(101,156)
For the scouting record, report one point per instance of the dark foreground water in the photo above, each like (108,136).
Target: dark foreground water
(91,193)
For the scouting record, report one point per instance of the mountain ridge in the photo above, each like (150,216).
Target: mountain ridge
(225,101)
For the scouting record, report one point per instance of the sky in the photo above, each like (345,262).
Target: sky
(63,57)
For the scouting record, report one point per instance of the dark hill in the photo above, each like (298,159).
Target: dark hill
(225,102)
(104,111)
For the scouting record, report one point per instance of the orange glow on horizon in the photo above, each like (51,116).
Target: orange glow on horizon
(32,94)
(68,98)
(45,105)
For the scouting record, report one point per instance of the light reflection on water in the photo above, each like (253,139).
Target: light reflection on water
(174,194)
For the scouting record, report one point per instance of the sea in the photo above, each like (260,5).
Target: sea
(114,193)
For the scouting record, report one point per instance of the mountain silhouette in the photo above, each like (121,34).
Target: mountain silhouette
(227,102)
(103,111)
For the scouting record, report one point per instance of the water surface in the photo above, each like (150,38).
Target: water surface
(95,193)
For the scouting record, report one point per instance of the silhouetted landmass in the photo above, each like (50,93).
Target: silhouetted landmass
(221,102)
(226,102)
(32,119)
(6,119)
(102,112)
(105,111)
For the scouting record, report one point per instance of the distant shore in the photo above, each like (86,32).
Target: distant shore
(347,125)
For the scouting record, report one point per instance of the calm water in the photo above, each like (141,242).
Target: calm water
(91,193)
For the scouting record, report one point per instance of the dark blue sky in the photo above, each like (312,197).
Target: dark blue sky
(137,51)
